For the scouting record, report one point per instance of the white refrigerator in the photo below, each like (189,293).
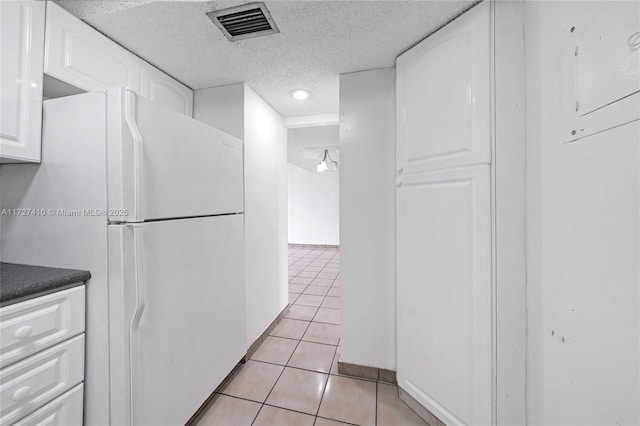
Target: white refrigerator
(151,202)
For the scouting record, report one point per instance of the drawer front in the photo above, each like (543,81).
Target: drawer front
(31,383)
(66,410)
(36,324)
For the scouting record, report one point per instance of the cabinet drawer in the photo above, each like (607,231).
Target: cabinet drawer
(443,100)
(66,410)
(29,384)
(31,326)
(79,55)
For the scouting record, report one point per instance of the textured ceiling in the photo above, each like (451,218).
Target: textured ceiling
(318,41)
(306,145)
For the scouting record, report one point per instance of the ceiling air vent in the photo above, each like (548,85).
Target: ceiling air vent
(246,21)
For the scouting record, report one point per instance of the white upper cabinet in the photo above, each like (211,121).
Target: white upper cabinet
(159,87)
(79,55)
(444,97)
(22,42)
(445,300)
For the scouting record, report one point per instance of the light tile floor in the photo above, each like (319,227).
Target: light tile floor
(292,379)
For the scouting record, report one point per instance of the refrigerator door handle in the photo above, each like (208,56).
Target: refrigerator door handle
(140,279)
(130,117)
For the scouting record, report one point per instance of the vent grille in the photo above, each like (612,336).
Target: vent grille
(246,21)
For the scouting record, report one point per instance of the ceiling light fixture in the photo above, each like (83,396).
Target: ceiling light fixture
(327,163)
(301,94)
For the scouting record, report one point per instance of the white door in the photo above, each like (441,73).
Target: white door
(443,96)
(177,315)
(444,293)
(22,45)
(163,164)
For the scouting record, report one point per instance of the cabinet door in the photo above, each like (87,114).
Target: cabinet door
(159,87)
(444,97)
(22,42)
(66,410)
(444,293)
(79,55)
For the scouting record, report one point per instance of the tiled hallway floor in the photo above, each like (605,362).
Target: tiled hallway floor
(292,378)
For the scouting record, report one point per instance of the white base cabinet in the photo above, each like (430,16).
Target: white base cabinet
(22,46)
(160,88)
(444,315)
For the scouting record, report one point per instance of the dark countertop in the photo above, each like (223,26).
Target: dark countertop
(22,282)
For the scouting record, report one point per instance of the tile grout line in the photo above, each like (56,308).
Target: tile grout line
(302,340)
(300,368)
(275,406)
(328,375)
(335,349)
(285,366)
(324,389)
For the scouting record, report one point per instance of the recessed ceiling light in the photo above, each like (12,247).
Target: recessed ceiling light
(300,94)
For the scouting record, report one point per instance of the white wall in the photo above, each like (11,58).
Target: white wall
(313,207)
(238,110)
(367,217)
(265,159)
(583,242)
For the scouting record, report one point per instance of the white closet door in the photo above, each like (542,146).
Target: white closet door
(443,97)
(444,293)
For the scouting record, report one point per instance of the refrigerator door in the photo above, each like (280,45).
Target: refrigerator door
(163,165)
(177,315)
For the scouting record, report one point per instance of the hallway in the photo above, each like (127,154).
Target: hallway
(292,378)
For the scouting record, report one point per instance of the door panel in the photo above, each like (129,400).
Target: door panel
(79,55)
(443,97)
(22,45)
(165,165)
(177,313)
(444,293)
(164,90)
